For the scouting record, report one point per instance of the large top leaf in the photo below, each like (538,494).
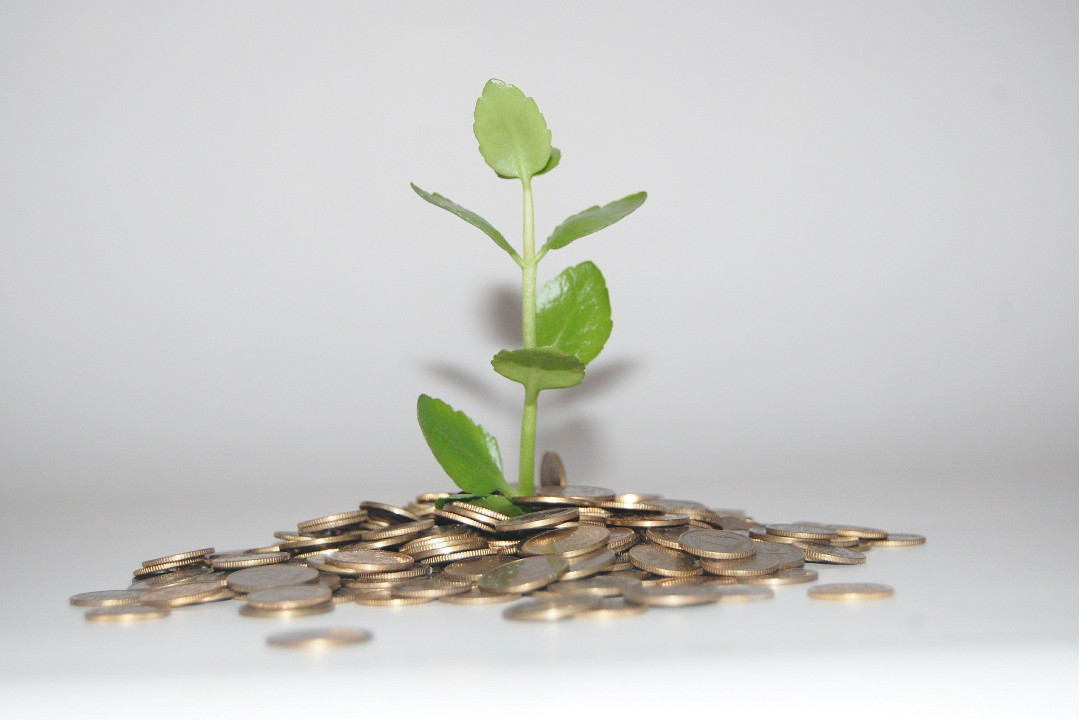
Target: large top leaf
(589,221)
(540,368)
(470,217)
(465,450)
(573,312)
(513,135)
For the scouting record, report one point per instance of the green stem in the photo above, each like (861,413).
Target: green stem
(527,458)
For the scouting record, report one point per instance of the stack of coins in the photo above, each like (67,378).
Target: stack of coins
(575,551)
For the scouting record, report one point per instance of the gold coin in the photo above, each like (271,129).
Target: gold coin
(332,522)
(833,555)
(764,535)
(791,576)
(472,570)
(763,564)
(234,562)
(716,544)
(254,612)
(552,472)
(845,541)
(106,598)
(289,597)
(434,542)
(429,587)
(384,599)
(621,538)
(662,561)
(581,492)
(642,520)
(743,593)
(370,560)
(899,540)
(665,536)
(176,595)
(263,578)
(557,608)
(319,563)
(737,523)
(414,527)
(599,585)
(479,522)
(176,577)
(802,532)
(521,576)
(150,570)
(478,510)
(787,555)
(850,591)
(636,497)
(578,540)
(537,520)
(189,555)
(673,595)
(476,596)
(320,544)
(582,566)
(387,512)
(414,572)
(456,555)
(863,533)
(634,507)
(611,607)
(691,580)
(319,638)
(126,613)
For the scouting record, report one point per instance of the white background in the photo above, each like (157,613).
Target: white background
(851,295)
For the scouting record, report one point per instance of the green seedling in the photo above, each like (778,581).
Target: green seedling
(564,325)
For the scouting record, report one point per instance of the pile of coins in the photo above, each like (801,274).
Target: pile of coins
(576,551)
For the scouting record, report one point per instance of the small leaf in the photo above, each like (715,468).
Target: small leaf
(465,450)
(573,312)
(541,368)
(553,161)
(470,217)
(497,503)
(589,221)
(513,135)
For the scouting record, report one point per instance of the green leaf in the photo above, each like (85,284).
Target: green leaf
(553,162)
(589,221)
(513,135)
(497,503)
(465,450)
(470,217)
(542,368)
(573,312)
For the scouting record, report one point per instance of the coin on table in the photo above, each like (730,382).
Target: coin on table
(787,555)
(568,542)
(757,564)
(744,593)
(472,570)
(525,575)
(126,613)
(582,566)
(673,595)
(476,596)
(106,598)
(400,531)
(383,598)
(833,555)
(387,512)
(802,532)
(254,612)
(665,536)
(552,472)
(370,560)
(899,540)
(662,561)
(289,597)
(790,576)
(621,538)
(611,607)
(233,562)
(716,544)
(261,578)
(336,521)
(316,638)
(599,585)
(537,520)
(178,557)
(429,587)
(645,520)
(176,595)
(555,608)
(863,533)
(850,591)
(176,577)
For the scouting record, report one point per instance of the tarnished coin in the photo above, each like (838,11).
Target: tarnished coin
(234,562)
(253,612)
(189,555)
(473,569)
(568,542)
(802,532)
(787,555)
(850,591)
(662,561)
(833,555)
(599,585)
(742,593)
(476,596)
(791,576)
(556,608)
(899,540)
(757,564)
(177,595)
(319,638)
(526,575)
(552,472)
(716,544)
(126,613)
(611,607)
(673,595)
(537,520)
(106,598)
(429,587)
(290,597)
(262,578)
(370,560)
(645,520)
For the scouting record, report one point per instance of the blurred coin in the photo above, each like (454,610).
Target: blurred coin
(233,562)
(189,555)
(521,576)
(673,595)
(370,560)
(387,512)
(599,585)
(716,544)
(850,591)
(537,520)
(611,607)
(289,597)
(802,532)
(665,536)
(662,561)
(254,612)
(262,578)
(758,564)
(176,595)
(471,570)
(318,638)
(582,566)
(106,598)
(899,540)
(642,520)
(787,555)
(429,587)
(791,576)
(557,608)
(126,613)
(742,593)
(476,596)
(552,472)
(833,555)
(573,541)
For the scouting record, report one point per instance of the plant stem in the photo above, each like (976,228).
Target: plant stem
(527,456)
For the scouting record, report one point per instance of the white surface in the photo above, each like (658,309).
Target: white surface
(850,296)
